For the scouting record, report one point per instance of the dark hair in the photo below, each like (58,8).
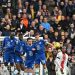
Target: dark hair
(29,39)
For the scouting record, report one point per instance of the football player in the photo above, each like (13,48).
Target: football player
(9,43)
(40,54)
(19,52)
(30,57)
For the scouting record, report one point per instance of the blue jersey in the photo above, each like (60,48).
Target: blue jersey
(29,52)
(20,47)
(9,44)
(40,46)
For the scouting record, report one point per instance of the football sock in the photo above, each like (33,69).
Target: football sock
(30,74)
(16,72)
(25,73)
(46,71)
(21,72)
(5,68)
(12,70)
(37,71)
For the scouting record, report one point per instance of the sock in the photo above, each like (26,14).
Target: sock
(5,68)
(21,72)
(25,73)
(37,71)
(30,74)
(12,70)
(15,72)
(46,71)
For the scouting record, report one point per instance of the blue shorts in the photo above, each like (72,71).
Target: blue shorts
(40,58)
(29,64)
(8,57)
(18,59)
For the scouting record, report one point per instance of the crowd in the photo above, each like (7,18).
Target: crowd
(52,19)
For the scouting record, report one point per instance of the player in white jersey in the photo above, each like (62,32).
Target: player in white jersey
(61,62)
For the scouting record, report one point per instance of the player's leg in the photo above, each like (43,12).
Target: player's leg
(37,65)
(30,71)
(30,67)
(43,61)
(6,61)
(17,64)
(26,69)
(12,61)
(22,69)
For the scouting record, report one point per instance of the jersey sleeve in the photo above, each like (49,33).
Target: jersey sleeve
(3,43)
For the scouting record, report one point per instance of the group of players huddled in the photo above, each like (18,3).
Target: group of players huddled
(24,54)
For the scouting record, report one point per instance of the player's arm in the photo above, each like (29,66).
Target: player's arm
(47,43)
(3,44)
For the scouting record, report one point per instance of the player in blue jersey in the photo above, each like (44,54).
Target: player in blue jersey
(19,52)
(40,54)
(30,56)
(9,43)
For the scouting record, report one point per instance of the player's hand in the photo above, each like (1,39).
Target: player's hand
(33,49)
(62,71)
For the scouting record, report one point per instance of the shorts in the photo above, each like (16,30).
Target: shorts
(29,64)
(40,58)
(8,57)
(18,59)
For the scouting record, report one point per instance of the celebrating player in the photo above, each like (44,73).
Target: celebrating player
(40,54)
(19,52)
(30,56)
(8,46)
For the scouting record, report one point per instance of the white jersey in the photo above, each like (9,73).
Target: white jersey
(58,63)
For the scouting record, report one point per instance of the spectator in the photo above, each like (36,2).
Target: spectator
(24,20)
(51,34)
(14,22)
(51,65)
(63,23)
(71,31)
(56,37)
(21,27)
(6,31)
(73,66)
(45,24)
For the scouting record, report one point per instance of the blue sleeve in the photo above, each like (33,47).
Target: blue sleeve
(24,51)
(3,43)
(16,47)
(43,42)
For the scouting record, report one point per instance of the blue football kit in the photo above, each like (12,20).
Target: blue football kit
(30,56)
(9,45)
(40,52)
(19,51)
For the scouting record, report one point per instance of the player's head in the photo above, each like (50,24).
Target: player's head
(12,35)
(20,36)
(37,35)
(63,49)
(29,41)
